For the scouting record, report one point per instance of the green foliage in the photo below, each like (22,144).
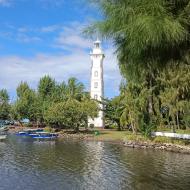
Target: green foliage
(46,87)
(136,137)
(113,110)
(134,100)
(147,129)
(71,114)
(49,129)
(74,89)
(25,105)
(53,104)
(152,40)
(4,105)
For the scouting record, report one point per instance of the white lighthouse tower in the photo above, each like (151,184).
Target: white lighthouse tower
(97,81)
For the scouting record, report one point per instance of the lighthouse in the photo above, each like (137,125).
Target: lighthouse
(97,81)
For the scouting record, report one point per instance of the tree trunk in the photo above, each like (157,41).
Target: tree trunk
(173,125)
(173,129)
(130,118)
(134,128)
(20,123)
(76,128)
(132,124)
(150,98)
(177,119)
(150,105)
(119,126)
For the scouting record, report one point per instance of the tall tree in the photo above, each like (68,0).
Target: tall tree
(46,87)
(149,35)
(74,89)
(4,105)
(22,109)
(175,92)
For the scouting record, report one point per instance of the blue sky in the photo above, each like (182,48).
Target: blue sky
(41,37)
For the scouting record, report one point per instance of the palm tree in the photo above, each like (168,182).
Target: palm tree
(74,89)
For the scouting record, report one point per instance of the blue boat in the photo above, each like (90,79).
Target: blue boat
(43,135)
(28,132)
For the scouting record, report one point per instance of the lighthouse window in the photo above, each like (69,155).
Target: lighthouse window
(97,45)
(96,73)
(95,96)
(96,85)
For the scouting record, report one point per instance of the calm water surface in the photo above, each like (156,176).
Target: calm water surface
(31,165)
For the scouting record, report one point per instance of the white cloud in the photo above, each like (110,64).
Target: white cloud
(61,66)
(71,41)
(23,38)
(50,28)
(21,35)
(70,37)
(52,3)
(22,29)
(15,69)
(5,3)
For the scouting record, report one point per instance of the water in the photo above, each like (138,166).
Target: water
(70,165)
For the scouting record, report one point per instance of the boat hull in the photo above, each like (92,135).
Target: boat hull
(28,132)
(44,135)
(2,137)
(37,134)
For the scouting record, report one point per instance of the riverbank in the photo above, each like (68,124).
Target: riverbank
(125,138)
(158,146)
(132,141)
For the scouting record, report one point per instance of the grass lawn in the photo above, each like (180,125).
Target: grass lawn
(113,135)
(110,135)
(121,136)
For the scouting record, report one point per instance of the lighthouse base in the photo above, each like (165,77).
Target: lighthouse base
(96,122)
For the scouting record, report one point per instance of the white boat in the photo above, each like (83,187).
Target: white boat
(2,137)
(3,133)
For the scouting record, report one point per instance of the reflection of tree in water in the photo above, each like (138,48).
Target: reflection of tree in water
(2,149)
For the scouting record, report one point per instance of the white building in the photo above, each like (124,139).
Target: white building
(97,81)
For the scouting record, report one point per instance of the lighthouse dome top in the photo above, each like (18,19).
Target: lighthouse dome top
(97,42)
(97,47)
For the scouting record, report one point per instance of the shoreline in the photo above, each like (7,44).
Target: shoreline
(131,143)
(139,144)
(159,146)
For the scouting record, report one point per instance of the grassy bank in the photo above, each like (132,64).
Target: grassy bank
(139,141)
(122,136)
(126,135)
(111,135)
(158,140)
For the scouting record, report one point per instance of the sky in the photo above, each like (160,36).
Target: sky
(44,37)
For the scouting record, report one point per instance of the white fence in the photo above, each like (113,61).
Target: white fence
(172,135)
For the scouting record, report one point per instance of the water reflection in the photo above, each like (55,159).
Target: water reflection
(29,164)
